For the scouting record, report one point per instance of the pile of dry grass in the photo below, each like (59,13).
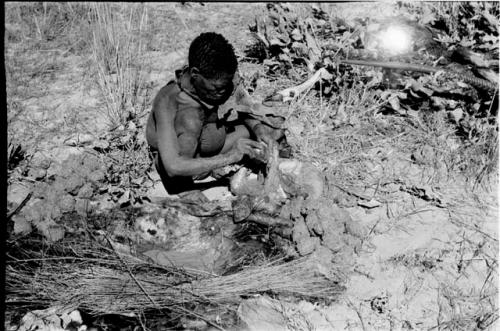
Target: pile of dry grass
(99,281)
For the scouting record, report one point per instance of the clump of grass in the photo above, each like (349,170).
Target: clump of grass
(46,25)
(118,55)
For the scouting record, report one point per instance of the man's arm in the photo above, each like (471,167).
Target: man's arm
(262,131)
(170,146)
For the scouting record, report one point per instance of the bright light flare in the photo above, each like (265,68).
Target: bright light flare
(395,40)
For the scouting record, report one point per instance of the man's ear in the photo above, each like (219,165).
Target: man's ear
(194,72)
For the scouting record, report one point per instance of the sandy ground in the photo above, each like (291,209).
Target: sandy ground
(420,264)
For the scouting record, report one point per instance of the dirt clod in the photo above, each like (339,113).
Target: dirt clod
(85,191)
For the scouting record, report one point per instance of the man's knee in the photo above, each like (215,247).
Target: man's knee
(173,185)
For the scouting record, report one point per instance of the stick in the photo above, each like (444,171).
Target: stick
(393,65)
(21,205)
(151,299)
(290,93)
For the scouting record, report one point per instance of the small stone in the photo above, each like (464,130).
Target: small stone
(86,191)
(307,246)
(21,225)
(54,232)
(91,163)
(124,199)
(37,173)
(456,115)
(314,224)
(355,229)
(102,206)
(79,139)
(304,242)
(55,212)
(131,126)
(73,184)
(423,155)
(333,241)
(67,203)
(54,170)
(83,207)
(16,193)
(101,145)
(97,176)
(34,211)
(369,204)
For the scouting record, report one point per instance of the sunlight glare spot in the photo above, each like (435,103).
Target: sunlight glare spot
(395,40)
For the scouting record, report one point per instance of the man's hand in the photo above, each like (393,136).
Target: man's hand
(248,147)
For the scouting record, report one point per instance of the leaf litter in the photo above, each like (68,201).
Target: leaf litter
(418,113)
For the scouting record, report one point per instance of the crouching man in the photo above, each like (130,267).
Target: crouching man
(185,133)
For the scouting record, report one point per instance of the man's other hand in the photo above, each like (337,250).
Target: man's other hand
(244,146)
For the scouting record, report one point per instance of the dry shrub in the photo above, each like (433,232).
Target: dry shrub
(118,47)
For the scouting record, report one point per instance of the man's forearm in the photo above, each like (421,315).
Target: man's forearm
(184,166)
(251,123)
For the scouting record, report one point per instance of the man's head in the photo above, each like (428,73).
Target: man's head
(212,64)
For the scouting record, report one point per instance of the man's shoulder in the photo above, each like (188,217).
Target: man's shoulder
(172,93)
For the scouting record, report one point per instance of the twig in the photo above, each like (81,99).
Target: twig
(151,299)
(21,205)
(131,274)
(350,304)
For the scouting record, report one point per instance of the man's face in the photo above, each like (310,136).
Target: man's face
(213,91)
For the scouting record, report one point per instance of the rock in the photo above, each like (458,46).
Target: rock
(37,173)
(423,155)
(50,229)
(55,318)
(369,204)
(21,225)
(79,139)
(304,242)
(124,199)
(300,178)
(16,193)
(333,241)
(73,184)
(101,145)
(262,313)
(55,212)
(41,189)
(34,211)
(97,176)
(314,224)
(54,170)
(102,206)
(131,126)
(91,163)
(40,160)
(456,115)
(189,324)
(67,203)
(83,207)
(355,229)
(86,191)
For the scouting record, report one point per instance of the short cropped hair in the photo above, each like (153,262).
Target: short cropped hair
(213,55)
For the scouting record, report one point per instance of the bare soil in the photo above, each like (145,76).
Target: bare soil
(422,256)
